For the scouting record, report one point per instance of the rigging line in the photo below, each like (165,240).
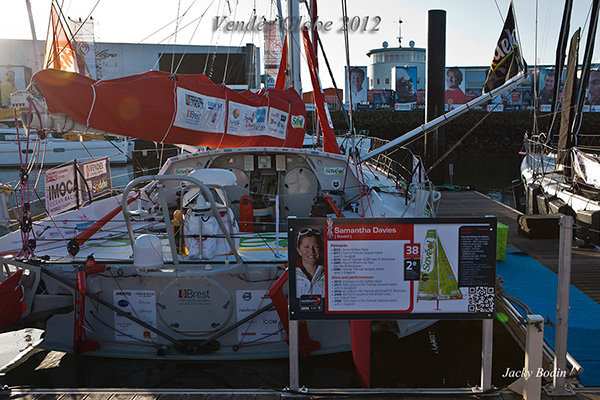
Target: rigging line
(175,35)
(199,19)
(229,47)
(536,73)
(347,45)
(212,35)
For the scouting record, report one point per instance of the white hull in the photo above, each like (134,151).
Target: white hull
(552,182)
(53,151)
(190,299)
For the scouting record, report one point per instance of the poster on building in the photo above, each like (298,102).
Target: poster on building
(404,84)
(593,91)
(381,98)
(392,268)
(358,85)
(13,78)
(547,80)
(455,87)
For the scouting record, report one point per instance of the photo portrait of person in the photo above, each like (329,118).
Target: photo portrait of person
(310,273)
(454,79)
(545,96)
(594,88)
(357,84)
(405,87)
(8,87)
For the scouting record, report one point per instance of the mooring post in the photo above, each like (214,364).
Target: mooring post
(562,305)
(293,348)
(486,354)
(534,343)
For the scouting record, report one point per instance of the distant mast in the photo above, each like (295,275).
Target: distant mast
(33,36)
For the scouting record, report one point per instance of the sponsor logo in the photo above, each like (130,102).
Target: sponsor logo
(247,296)
(194,101)
(194,294)
(123,303)
(60,190)
(428,259)
(183,171)
(297,121)
(334,171)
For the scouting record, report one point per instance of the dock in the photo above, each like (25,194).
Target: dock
(539,256)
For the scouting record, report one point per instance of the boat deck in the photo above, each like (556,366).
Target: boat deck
(544,253)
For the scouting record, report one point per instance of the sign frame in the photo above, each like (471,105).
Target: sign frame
(474,268)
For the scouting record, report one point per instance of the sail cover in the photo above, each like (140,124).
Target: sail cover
(507,61)
(177,109)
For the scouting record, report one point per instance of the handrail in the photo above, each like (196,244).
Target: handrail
(205,191)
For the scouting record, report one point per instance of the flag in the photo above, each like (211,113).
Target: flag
(60,51)
(507,60)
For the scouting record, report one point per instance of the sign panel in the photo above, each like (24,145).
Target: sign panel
(95,175)
(378,268)
(60,189)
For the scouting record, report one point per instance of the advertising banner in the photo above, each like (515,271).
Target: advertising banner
(395,268)
(73,184)
(404,81)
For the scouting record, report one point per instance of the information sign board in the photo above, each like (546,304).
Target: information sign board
(392,268)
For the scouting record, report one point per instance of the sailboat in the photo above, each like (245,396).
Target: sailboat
(191,263)
(560,172)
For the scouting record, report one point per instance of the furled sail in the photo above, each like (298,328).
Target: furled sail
(178,109)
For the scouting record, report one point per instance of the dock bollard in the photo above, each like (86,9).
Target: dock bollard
(534,343)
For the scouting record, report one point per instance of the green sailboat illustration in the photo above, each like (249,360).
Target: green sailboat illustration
(436,279)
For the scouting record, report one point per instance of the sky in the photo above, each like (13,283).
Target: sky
(472,26)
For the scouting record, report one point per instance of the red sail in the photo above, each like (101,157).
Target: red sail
(178,109)
(329,141)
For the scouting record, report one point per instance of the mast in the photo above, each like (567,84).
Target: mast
(561,50)
(33,36)
(293,44)
(585,70)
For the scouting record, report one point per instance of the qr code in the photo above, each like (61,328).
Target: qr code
(481,299)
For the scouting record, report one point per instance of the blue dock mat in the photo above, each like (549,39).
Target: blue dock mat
(535,285)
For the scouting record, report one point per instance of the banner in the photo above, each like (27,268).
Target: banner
(507,57)
(71,185)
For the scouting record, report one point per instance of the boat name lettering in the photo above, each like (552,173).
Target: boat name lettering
(60,190)
(297,121)
(183,171)
(334,171)
(427,266)
(194,294)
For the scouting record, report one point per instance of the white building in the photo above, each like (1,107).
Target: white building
(386,58)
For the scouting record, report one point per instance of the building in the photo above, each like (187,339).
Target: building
(386,58)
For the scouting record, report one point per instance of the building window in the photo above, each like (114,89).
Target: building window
(378,81)
(387,81)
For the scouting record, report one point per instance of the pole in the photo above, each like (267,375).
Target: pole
(562,304)
(33,36)
(434,94)
(486,354)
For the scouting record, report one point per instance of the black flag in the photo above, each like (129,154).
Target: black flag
(507,60)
